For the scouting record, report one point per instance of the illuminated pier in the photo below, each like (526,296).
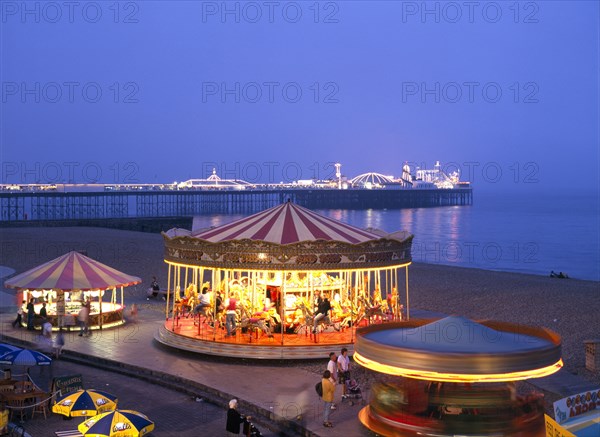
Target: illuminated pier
(54,205)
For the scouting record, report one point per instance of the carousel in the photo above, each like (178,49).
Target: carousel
(455,376)
(66,283)
(279,265)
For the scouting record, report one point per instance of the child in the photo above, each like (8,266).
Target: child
(134,312)
(19,319)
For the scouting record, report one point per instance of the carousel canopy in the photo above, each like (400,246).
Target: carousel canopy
(285,224)
(72,271)
(288,237)
(459,349)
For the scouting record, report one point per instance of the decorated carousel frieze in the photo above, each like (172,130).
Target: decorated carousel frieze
(279,265)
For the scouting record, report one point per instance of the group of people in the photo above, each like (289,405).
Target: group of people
(45,340)
(28,309)
(338,372)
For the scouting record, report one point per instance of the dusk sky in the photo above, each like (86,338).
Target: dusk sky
(273,91)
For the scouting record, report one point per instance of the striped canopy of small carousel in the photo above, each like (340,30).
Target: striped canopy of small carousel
(286,224)
(72,271)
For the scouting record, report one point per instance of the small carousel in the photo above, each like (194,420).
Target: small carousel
(454,376)
(66,283)
(279,265)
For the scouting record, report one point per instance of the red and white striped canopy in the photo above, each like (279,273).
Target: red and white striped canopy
(72,271)
(285,224)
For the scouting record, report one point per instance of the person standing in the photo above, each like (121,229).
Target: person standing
(30,315)
(234,419)
(43,312)
(230,315)
(343,367)
(332,366)
(83,318)
(19,319)
(154,288)
(328,396)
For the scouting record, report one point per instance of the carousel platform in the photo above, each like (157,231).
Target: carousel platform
(252,344)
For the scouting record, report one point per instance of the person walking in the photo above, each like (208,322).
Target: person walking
(134,313)
(19,320)
(343,367)
(83,318)
(328,396)
(30,315)
(59,343)
(234,419)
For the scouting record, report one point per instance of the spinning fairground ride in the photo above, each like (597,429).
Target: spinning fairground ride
(278,265)
(454,376)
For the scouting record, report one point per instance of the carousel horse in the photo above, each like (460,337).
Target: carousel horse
(293,319)
(377,300)
(308,317)
(191,297)
(392,302)
(367,311)
(343,313)
(252,322)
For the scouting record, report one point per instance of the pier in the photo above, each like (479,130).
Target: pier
(25,205)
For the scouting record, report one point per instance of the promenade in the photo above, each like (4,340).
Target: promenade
(279,395)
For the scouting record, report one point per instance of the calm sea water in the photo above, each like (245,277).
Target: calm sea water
(518,233)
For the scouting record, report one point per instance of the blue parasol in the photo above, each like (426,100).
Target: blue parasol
(26,358)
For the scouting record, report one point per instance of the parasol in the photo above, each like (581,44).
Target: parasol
(85,403)
(26,358)
(117,423)
(5,348)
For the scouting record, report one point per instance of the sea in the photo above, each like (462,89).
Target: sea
(513,232)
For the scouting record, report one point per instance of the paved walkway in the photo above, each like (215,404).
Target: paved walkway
(280,396)
(283,397)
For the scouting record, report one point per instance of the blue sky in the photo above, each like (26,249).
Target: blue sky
(270,91)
